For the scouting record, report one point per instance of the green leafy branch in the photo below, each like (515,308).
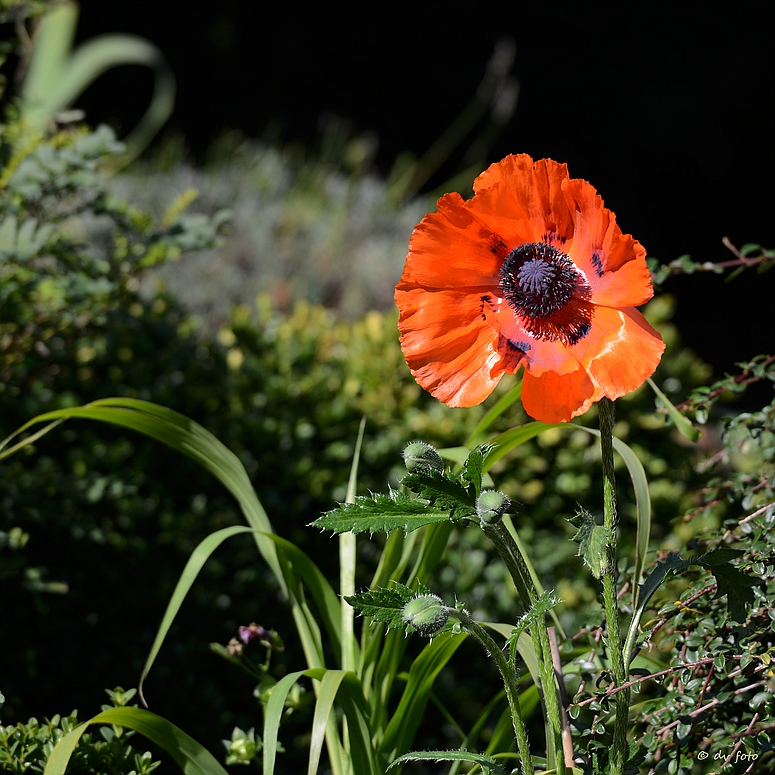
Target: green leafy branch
(736,585)
(701,399)
(748,256)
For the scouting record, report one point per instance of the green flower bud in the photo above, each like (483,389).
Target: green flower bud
(419,457)
(426,613)
(491,506)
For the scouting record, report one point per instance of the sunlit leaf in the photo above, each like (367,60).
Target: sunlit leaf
(682,424)
(380,513)
(188,754)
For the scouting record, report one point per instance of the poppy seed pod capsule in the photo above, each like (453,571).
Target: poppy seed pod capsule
(491,506)
(419,456)
(426,613)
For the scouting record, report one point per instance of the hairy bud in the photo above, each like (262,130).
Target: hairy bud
(426,613)
(419,457)
(491,506)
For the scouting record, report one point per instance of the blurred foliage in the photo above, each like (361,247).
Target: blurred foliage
(25,747)
(317,225)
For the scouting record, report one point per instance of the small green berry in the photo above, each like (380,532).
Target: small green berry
(426,613)
(419,457)
(491,506)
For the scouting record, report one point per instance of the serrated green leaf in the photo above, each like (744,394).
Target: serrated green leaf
(473,468)
(384,605)
(442,491)
(380,513)
(487,763)
(593,542)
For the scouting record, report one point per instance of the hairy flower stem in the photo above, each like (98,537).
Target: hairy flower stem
(515,562)
(510,683)
(611,522)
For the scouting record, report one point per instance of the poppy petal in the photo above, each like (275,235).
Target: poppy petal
(453,248)
(450,350)
(613,263)
(553,398)
(621,351)
(525,199)
(540,355)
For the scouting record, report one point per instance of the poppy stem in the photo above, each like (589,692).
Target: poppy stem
(611,522)
(510,683)
(515,562)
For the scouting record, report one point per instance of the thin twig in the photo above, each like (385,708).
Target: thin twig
(740,741)
(567,740)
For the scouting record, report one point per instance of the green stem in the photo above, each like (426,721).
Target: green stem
(515,562)
(510,683)
(611,522)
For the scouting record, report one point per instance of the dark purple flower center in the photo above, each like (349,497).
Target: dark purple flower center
(543,287)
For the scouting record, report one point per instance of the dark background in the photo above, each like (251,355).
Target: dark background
(666,108)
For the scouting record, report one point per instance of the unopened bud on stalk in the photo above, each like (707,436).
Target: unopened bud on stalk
(491,506)
(419,457)
(426,613)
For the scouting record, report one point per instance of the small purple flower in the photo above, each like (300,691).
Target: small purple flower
(253,631)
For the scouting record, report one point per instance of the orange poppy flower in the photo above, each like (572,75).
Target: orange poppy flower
(532,272)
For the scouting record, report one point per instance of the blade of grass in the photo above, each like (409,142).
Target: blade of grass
(509,523)
(640,486)
(501,405)
(273,713)
(403,725)
(513,438)
(195,563)
(300,570)
(329,686)
(683,424)
(57,75)
(184,435)
(189,755)
(347,550)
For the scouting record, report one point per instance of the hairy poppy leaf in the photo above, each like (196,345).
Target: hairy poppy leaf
(487,763)
(473,468)
(593,542)
(385,605)
(380,513)
(442,491)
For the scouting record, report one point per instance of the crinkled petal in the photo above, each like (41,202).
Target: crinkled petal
(453,248)
(621,350)
(525,199)
(614,263)
(450,349)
